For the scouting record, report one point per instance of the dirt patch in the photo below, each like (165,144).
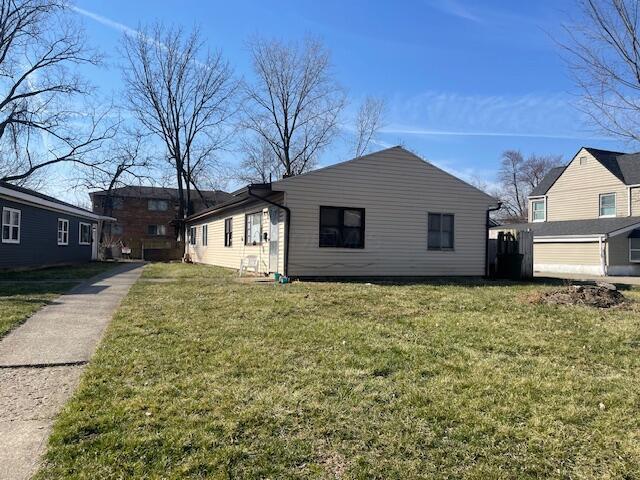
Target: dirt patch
(598,296)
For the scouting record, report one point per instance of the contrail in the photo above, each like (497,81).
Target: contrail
(106,21)
(421,131)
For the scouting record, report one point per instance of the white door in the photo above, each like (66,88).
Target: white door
(274,242)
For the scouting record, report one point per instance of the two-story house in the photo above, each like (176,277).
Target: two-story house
(585,216)
(146,218)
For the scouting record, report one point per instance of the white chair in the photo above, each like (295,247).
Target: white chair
(249,262)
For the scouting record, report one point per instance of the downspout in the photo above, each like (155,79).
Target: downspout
(287,226)
(486,239)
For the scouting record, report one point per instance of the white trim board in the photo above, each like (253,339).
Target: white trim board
(565,268)
(569,239)
(27,199)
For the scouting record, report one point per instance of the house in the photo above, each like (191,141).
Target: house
(585,216)
(39,230)
(146,218)
(389,213)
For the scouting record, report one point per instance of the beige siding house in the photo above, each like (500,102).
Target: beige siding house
(389,213)
(585,216)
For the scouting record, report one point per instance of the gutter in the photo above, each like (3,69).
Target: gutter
(486,239)
(287,225)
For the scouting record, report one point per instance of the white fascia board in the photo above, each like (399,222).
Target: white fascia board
(21,197)
(569,239)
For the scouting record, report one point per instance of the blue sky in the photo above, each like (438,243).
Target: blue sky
(463,80)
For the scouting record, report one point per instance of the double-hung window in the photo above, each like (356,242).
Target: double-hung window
(440,231)
(253,228)
(84,234)
(192,235)
(11,225)
(634,247)
(228,232)
(63,231)
(341,227)
(608,205)
(538,210)
(157,230)
(205,234)
(158,205)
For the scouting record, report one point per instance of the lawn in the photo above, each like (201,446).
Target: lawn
(24,293)
(200,376)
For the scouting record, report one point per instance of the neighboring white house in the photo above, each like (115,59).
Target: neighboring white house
(389,213)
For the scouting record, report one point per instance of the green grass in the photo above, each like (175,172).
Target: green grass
(203,377)
(24,293)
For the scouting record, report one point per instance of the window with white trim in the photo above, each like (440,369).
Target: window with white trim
(192,235)
(63,231)
(634,249)
(607,205)
(228,232)
(84,234)
(11,219)
(205,234)
(253,228)
(538,210)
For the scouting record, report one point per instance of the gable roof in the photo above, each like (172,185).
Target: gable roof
(31,196)
(595,226)
(161,193)
(624,166)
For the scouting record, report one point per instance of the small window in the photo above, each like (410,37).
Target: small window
(157,230)
(253,228)
(228,232)
(205,234)
(63,231)
(117,229)
(441,232)
(85,234)
(341,227)
(158,205)
(583,160)
(11,219)
(114,203)
(192,235)
(538,213)
(634,250)
(608,205)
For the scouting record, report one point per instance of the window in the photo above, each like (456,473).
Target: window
(440,234)
(205,234)
(538,213)
(583,160)
(341,227)
(608,205)
(117,229)
(228,232)
(158,230)
(85,234)
(253,228)
(192,235)
(634,248)
(158,205)
(114,203)
(63,231)
(11,225)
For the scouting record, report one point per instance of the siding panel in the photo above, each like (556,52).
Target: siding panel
(566,253)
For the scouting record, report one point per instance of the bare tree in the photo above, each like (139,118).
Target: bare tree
(294,102)
(368,122)
(42,121)
(604,56)
(183,94)
(518,177)
(259,163)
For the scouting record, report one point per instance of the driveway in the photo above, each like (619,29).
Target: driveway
(590,278)
(41,362)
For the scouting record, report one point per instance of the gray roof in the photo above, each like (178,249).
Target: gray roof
(625,166)
(596,226)
(42,196)
(549,179)
(217,196)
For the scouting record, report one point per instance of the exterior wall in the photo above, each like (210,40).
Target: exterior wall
(39,239)
(564,257)
(635,202)
(618,255)
(575,195)
(397,191)
(215,253)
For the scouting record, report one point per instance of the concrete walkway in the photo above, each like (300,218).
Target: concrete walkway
(41,362)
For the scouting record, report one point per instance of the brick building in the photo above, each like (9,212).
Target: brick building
(146,219)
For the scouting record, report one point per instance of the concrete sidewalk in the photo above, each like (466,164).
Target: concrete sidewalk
(41,362)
